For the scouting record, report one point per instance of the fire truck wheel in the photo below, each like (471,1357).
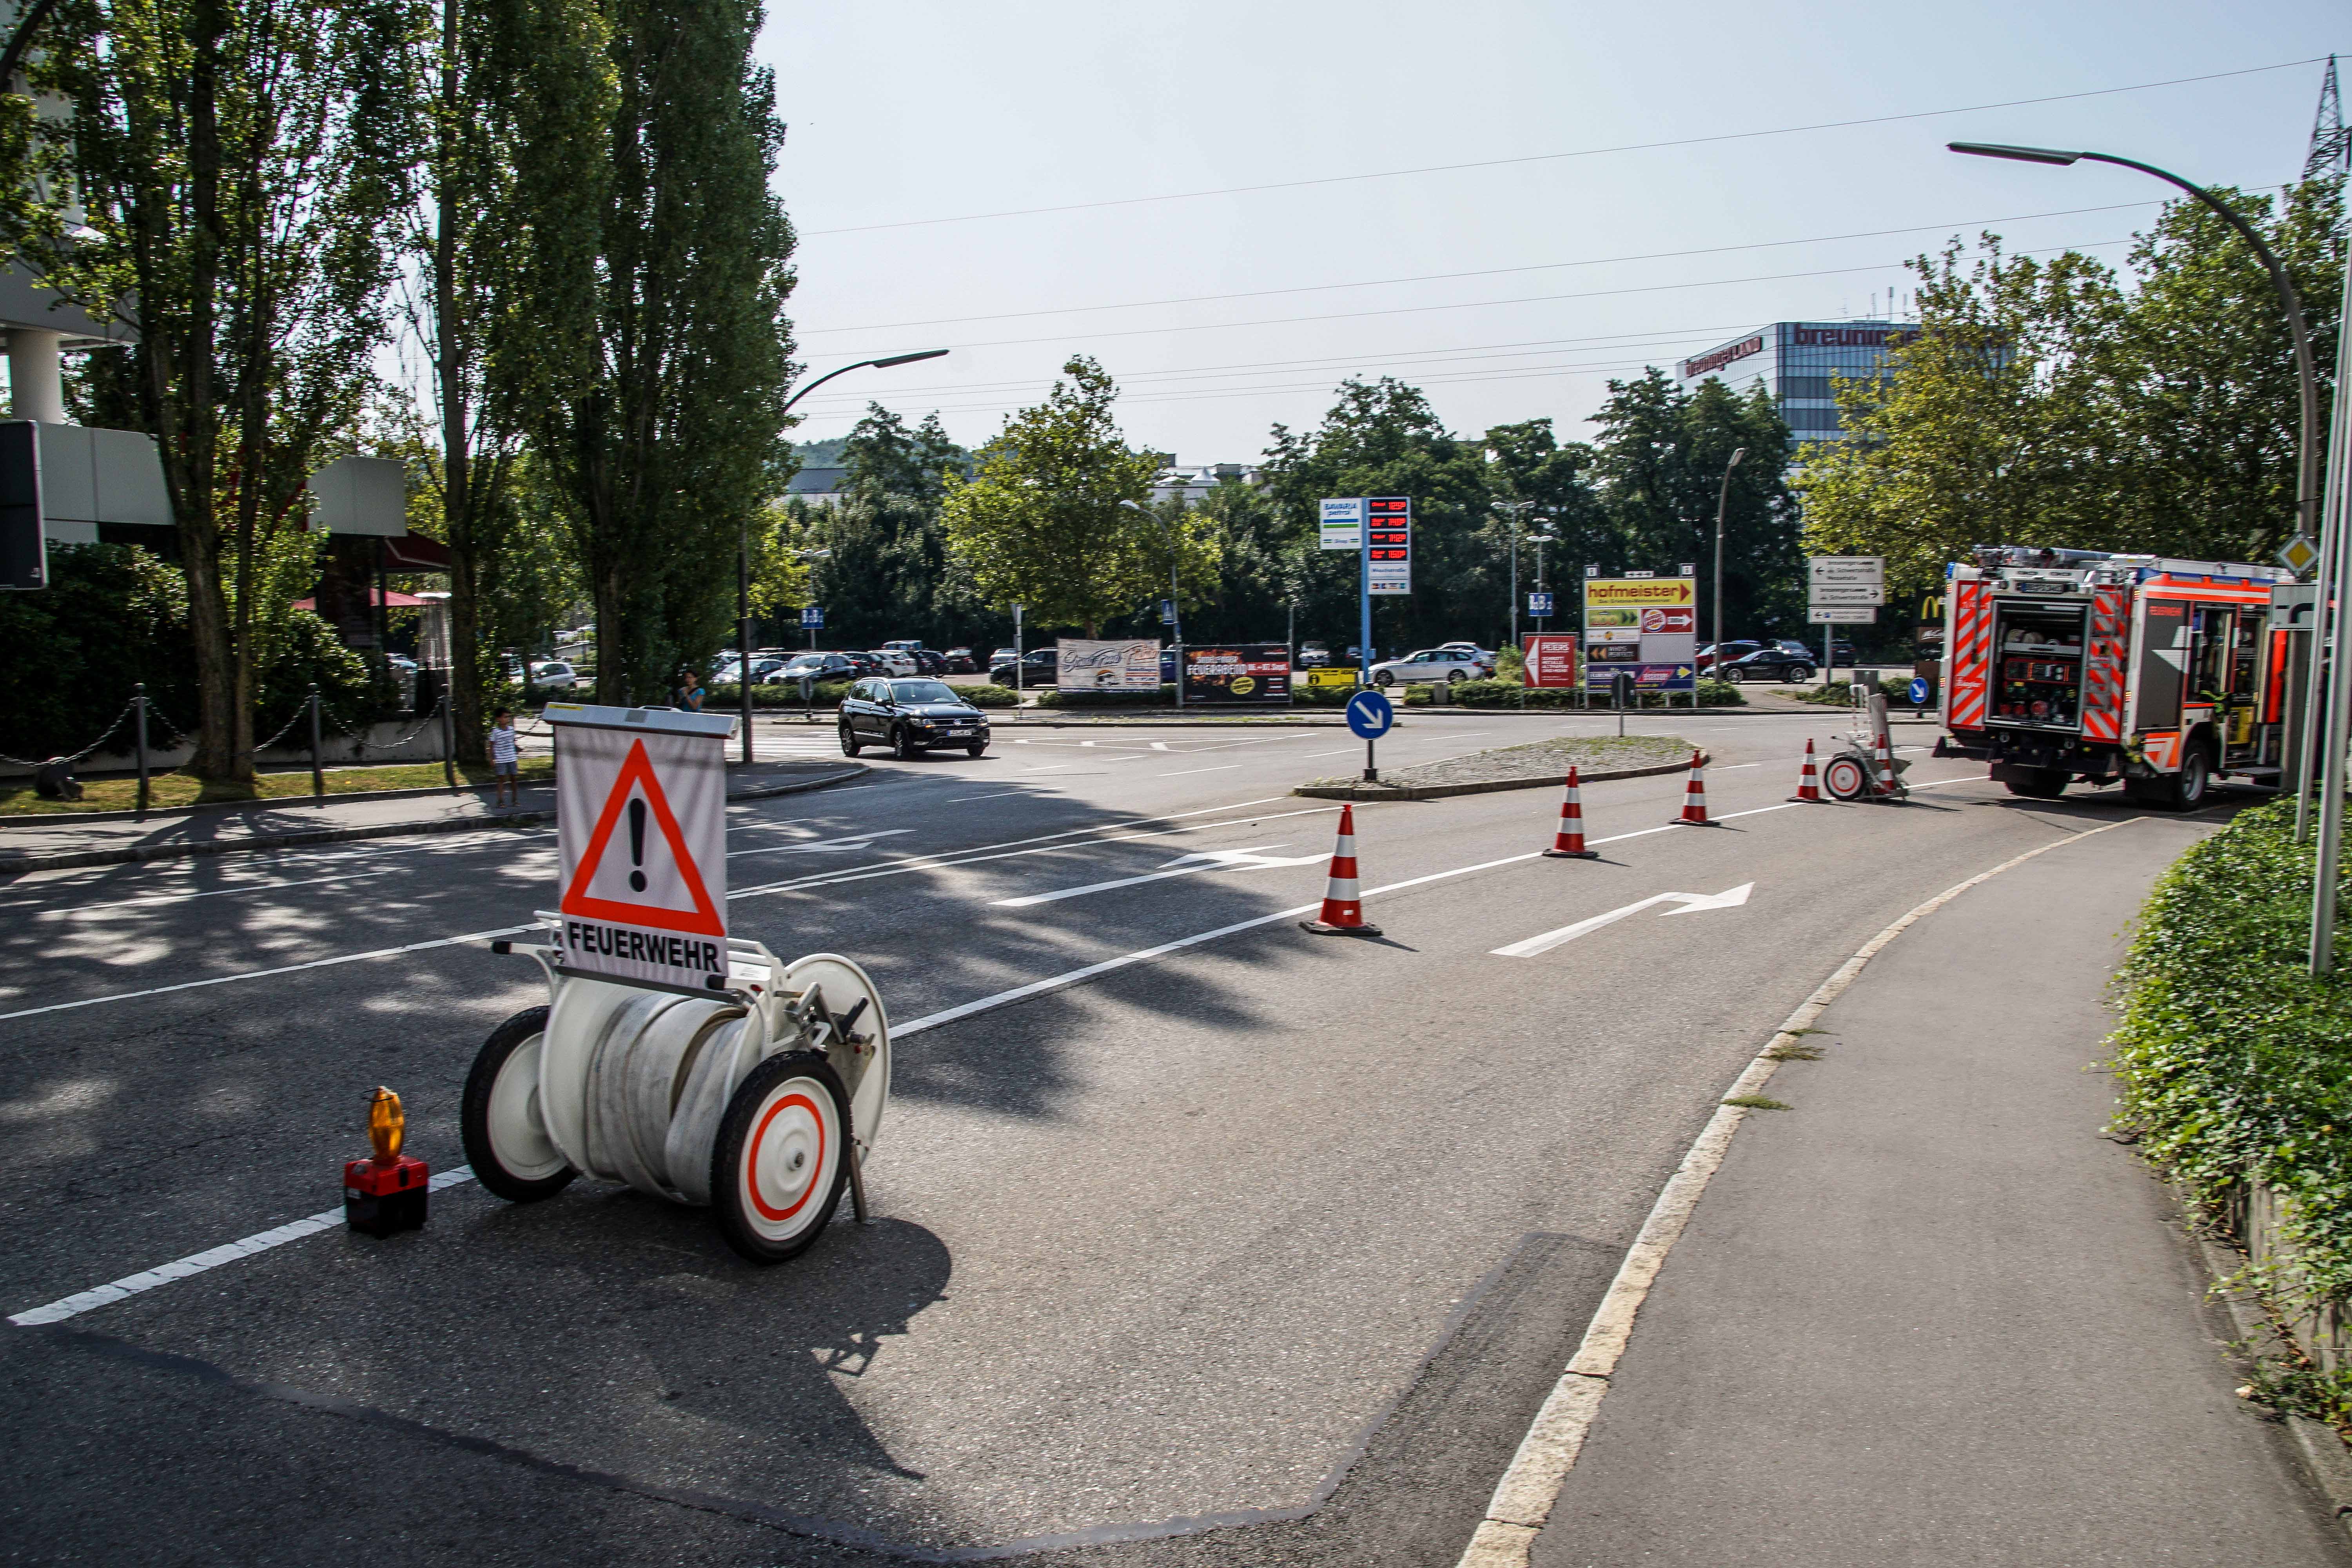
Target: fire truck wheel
(1844,778)
(2042,784)
(778,1165)
(498,1119)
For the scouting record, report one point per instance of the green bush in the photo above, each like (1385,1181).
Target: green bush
(990,696)
(1510,694)
(1721,694)
(1840,693)
(1057,698)
(2235,1063)
(730,698)
(1305,696)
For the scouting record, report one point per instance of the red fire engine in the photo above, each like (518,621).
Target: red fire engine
(2070,664)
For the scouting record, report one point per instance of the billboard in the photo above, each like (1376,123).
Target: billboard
(1129,664)
(1551,658)
(1239,673)
(1643,626)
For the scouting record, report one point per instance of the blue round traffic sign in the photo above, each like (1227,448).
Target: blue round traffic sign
(1918,690)
(1369,714)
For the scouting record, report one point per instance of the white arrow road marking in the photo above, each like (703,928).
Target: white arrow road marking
(1182,866)
(1690,902)
(824,845)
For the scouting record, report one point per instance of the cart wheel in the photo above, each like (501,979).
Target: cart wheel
(1844,778)
(776,1170)
(506,1138)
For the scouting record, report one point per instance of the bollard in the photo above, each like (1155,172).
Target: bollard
(448,735)
(318,772)
(138,742)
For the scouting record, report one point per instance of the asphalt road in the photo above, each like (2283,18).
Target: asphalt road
(1263,1248)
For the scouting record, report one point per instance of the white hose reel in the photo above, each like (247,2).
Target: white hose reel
(760,1099)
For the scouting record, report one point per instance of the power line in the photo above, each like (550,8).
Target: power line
(1487,272)
(1553,157)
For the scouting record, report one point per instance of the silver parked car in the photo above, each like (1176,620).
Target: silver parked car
(1431,664)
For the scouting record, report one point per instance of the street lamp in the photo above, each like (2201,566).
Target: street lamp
(1722,499)
(743,545)
(1516,510)
(1175,610)
(2306,521)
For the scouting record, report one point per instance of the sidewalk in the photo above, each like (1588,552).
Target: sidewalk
(50,843)
(1930,1316)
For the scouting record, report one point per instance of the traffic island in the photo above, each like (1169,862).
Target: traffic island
(1536,765)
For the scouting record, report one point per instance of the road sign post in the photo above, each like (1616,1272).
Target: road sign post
(1370,715)
(1843,590)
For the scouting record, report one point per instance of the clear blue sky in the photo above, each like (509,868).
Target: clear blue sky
(904,111)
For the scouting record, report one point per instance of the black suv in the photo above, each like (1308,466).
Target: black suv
(1767,664)
(1038,667)
(911,717)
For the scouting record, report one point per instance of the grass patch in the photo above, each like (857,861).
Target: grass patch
(1796,1051)
(175,789)
(1758,1102)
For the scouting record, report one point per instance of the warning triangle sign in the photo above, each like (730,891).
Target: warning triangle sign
(675,897)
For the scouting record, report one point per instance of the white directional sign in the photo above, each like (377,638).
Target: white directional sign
(641,833)
(1870,570)
(1731,898)
(1842,614)
(1848,593)
(1343,523)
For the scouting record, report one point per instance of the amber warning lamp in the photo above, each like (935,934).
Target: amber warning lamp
(386,1191)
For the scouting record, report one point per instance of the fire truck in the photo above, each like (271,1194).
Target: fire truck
(2165,675)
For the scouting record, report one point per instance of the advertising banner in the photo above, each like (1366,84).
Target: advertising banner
(1239,672)
(1127,665)
(1635,594)
(1669,633)
(1600,676)
(1551,658)
(1343,523)
(1643,627)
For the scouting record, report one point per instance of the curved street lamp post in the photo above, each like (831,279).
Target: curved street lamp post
(743,546)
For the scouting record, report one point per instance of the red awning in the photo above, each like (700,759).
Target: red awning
(415,552)
(393,599)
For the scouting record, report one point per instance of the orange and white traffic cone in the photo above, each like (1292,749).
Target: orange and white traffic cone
(1569,843)
(1695,796)
(1808,783)
(1882,768)
(1343,911)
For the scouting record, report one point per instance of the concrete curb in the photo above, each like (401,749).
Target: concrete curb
(1440,792)
(2326,1463)
(287,802)
(15,864)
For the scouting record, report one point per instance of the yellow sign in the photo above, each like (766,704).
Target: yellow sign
(1330,678)
(1635,593)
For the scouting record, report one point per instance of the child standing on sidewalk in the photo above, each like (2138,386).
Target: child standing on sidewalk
(505,790)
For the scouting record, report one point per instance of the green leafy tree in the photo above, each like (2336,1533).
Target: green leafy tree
(1043,522)
(236,165)
(886,573)
(1661,460)
(669,445)
(504,242)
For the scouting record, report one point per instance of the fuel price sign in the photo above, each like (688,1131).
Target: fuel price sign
(1388,523)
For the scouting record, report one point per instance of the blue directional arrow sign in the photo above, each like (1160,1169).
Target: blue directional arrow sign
(1919,692)
(1369,714)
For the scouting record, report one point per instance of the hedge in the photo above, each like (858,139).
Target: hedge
(1510,694)
(2234,1063)
(1840,693)
(1055,697)
(829,693)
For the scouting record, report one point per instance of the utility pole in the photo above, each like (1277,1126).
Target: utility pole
(1722,499)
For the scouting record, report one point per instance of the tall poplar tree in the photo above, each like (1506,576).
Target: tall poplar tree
(673,439)
(237,165)
(505,241)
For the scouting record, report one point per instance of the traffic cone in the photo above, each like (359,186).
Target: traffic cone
(1882,767)
(1808,783)
(1343,911)
(1695,796)
(1569,843)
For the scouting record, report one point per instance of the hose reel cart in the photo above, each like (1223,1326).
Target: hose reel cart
(695,1066)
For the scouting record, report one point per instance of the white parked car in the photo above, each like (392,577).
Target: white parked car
(897,661)
(554,675)
(1431,664)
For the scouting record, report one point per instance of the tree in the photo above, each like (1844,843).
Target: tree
(1661,460)
(237,163)
(670,445)
(886,573)
(504,241)
(1041,522)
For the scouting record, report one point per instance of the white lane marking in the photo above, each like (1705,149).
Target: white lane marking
(1342,751)
(213,893)
(1523,1500)
(1734,767)
(1188,866)
(1033,794)
(824,845)
(1047,843)
(130,1285)
(149,1278)
(1533,945)
(1180,773)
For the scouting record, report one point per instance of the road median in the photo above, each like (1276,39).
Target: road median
(1597,758)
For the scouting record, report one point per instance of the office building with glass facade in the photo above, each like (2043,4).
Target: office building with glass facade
(1795,361)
